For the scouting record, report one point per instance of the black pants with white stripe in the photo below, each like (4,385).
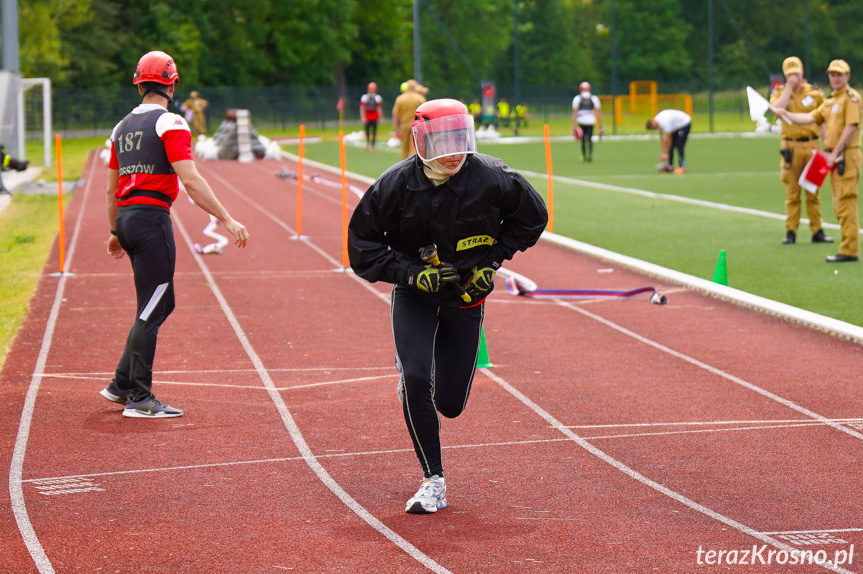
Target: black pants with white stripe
(678,142)
(436,349)
(147,236)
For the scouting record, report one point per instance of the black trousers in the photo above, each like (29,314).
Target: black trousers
(436,351)
(587,140)
(371,132)
(678,142)
(147,236)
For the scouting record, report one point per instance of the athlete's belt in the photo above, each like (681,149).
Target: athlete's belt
(147,193)
(800,139)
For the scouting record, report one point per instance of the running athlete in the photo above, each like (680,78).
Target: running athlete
(476,212)
(586,113)
(370,111)
(150,149)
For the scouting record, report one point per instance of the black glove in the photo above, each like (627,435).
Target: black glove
(480,282)
(430,278)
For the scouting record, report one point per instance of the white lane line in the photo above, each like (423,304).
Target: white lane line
(737,380)
(634,474)
(248,387)
(828,530)
(296,435)
(351,454)
(332,261)
(674,424)
(92,374)
(16,466)
(585,444)
(667,197)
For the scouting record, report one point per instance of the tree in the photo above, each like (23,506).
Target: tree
(41,51)
(549,48)
(651,37)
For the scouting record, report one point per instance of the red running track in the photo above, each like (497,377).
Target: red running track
(611,436)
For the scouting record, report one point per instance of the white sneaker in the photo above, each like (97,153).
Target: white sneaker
(429,498)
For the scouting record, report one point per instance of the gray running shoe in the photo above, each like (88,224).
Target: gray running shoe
(429,498)
(150,408)
(113,394)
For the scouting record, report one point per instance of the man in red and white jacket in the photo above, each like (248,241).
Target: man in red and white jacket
(370,111)
(150,149)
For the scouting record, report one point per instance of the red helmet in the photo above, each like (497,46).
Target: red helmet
(156,67)
(584,87)
(441,128)
(372,87)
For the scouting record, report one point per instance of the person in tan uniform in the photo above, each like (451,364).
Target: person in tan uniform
(798,95)
(840,115)
(194,108)
(404,110)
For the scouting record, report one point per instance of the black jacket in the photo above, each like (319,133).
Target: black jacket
(479,217)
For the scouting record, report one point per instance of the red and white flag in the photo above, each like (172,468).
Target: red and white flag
(814,173)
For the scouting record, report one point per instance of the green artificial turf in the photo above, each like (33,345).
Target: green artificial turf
(736,171)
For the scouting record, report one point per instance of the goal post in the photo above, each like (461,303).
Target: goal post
(29,112)
(642,89)
(644,102)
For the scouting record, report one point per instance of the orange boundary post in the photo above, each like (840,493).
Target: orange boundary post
(344,201)
(550,180)
(60,202)
(300,182)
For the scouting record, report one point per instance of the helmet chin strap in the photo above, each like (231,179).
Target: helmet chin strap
(161,93)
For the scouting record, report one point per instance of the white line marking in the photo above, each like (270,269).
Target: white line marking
(373,453)
(296,435)
(668,197)
(16,492)
(640,477)
(815,531)
(715,371)
(673,424)
(305,239)
(92,374)
(248,387)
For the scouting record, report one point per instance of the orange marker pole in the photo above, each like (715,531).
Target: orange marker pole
(300,182)
(60,202)
(344,201)
(550,179)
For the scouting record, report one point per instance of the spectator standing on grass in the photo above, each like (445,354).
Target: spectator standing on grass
(798,95)
(673,126)
(477,212)
(195,107)
(371,104)
(503,113)
(586,113)
(475,109)
(840,115)
(404,109)
(151,152)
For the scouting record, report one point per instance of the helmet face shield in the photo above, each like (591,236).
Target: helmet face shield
(444,136)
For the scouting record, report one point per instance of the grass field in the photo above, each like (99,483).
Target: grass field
(734,171)
(28,227)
